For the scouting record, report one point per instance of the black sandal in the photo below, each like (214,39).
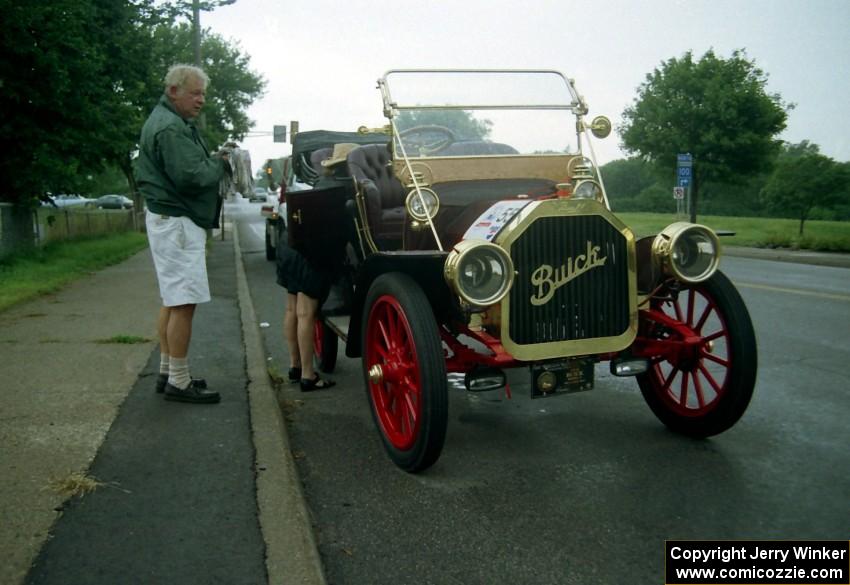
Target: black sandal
(316,383)
(294,374)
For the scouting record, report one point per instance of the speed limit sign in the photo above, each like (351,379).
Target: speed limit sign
(678,192)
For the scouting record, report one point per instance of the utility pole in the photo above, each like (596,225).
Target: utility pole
(208,5)
(196,31)
(197,6)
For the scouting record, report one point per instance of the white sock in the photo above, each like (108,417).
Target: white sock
(163,363)
(178,372)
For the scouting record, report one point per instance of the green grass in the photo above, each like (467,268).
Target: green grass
(831,236)
(48,269)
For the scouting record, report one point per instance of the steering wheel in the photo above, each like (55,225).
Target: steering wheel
(427,139)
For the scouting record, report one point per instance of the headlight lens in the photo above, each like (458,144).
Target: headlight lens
(689,252)
(414,206)
(588,190)
(479,272)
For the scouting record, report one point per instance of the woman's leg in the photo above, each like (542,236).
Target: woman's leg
(290,332)
(306,311)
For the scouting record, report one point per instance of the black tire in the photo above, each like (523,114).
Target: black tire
(271,253)
(409,400)
(325,347)
(705,390)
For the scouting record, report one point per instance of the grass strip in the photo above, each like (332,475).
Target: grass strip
(45,270)
(123,340)
(826,236)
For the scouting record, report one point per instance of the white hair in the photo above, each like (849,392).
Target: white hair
(179,75)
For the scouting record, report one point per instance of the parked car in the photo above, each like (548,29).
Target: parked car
(469,241)
(113,202)
(68,200)
(259,194)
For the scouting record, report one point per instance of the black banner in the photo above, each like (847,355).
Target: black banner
(757,562)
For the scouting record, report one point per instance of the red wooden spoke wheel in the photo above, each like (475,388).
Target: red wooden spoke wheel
(703,357)
(405,371)
(325,346)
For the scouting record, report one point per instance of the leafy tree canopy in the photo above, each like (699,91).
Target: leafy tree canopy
(464,124)
(78,78)
(625,178)
(802,180)
(65,74)
(233,86)
(716,109)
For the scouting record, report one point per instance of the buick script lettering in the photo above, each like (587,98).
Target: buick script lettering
(548,279)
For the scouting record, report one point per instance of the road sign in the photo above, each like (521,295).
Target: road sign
(678,192)
(279,133)
(684,164)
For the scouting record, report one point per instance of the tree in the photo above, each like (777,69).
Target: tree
(65,69)
(233,86)
(625,179)
(79,77)
(716,109)
(801,182)
(464,124)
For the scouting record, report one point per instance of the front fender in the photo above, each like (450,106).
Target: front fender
(424,267)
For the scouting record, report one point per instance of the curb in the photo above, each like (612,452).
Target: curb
(292,555)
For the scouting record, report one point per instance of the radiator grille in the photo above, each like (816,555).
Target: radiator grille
(589,299)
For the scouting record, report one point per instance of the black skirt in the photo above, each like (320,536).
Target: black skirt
(297,275)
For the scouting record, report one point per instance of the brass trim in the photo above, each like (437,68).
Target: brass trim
(492,166)
(664,242)
(364,232)
(385,129)
(452,267)
(600,127)
(560,208)
(408,205)
(579,184)
(421,171)
(376,374)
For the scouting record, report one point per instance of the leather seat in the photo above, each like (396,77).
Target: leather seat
(371,167)
(316,158)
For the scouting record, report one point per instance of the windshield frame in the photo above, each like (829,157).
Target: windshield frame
(391,106)
(571,104)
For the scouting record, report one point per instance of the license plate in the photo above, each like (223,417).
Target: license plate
(565,377)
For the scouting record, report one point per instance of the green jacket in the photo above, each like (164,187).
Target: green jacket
(175,171)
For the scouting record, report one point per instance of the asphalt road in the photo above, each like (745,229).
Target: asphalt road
(584,488)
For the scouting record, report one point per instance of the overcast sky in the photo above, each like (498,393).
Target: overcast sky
(321,58)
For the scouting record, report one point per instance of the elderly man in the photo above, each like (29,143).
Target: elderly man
(179,179)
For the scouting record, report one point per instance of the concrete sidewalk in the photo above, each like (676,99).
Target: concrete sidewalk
(188,493)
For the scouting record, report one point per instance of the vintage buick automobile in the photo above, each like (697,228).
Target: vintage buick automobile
(473,234)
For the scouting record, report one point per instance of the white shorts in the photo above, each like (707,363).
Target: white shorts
(178,247)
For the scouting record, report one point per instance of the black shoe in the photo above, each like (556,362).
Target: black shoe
(162,380)
(316,383)
(192,393)
(294,374)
